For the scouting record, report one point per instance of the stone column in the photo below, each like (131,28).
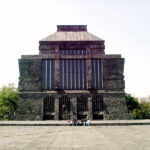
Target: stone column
(89,73)
(57,67)
(90,114)
(56,117)
(73,108)
(89,68)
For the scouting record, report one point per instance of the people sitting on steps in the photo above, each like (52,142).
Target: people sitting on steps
(82,122)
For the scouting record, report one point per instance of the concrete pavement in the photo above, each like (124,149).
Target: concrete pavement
(75,138)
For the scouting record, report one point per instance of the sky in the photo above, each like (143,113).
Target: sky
(123,24)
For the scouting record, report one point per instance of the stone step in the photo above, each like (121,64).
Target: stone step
(64,123)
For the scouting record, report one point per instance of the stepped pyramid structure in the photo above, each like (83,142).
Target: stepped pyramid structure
(72,77)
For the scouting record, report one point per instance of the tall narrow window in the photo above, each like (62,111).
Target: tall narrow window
(48,67)
(73,74)
(96,73)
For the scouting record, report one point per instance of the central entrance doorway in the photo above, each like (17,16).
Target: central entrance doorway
(64,108)
(48,113)
(98,107)
(82,107)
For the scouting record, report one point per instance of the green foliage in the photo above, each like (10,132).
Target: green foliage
(140,110)
(143,112)
(8,101)
(132,102)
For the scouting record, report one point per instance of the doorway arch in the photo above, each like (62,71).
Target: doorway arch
(64,107)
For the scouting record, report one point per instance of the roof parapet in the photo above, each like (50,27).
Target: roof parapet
(71,28)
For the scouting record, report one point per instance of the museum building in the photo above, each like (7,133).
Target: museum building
(72,77)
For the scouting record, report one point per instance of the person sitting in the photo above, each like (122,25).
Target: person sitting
(88,122)
(78,122)
(82,122)
(73,122)
(68,122)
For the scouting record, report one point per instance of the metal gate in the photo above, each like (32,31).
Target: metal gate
(48,108)
(64,108)
(97,107)
(82,107)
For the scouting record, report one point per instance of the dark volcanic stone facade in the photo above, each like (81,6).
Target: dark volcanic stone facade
(38,101)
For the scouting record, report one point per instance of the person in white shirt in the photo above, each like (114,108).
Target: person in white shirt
(88,122)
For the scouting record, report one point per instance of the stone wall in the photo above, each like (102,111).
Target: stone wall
(113,78)
(30,107)
(30,75)
(115,106)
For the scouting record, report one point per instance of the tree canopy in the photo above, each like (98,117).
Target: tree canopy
(143,112)
(8,101)
(140,110)
(132,102)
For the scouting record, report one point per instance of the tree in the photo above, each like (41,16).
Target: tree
(143,112)
(132,102)
(8,101)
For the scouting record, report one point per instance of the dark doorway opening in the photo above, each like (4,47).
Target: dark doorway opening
(64,108)
(48,117)
(81,116)
(98,117)
(82,107)
(48,113)
(98,107)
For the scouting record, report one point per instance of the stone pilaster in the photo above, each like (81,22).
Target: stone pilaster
(73,108)
(89,73)
(56,117)
(89,68)
(90,108)
(57,67)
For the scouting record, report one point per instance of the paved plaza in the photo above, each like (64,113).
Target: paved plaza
(75,138)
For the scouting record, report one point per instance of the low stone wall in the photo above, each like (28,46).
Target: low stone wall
(115,107)
(30,107)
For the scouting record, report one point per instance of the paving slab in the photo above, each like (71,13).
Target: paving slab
(75,137)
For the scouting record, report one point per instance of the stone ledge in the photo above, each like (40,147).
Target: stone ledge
(64,123)
(53,56)
(73,92)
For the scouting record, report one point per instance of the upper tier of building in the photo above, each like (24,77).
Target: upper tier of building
(71,33)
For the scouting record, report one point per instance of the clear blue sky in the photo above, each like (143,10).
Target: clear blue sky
(123,24)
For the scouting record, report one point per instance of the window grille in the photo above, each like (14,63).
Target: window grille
(73,74)
(97,103)
(82,104)
(73,52)
(48,69)
(96,74)
(48,108)
(64,107)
